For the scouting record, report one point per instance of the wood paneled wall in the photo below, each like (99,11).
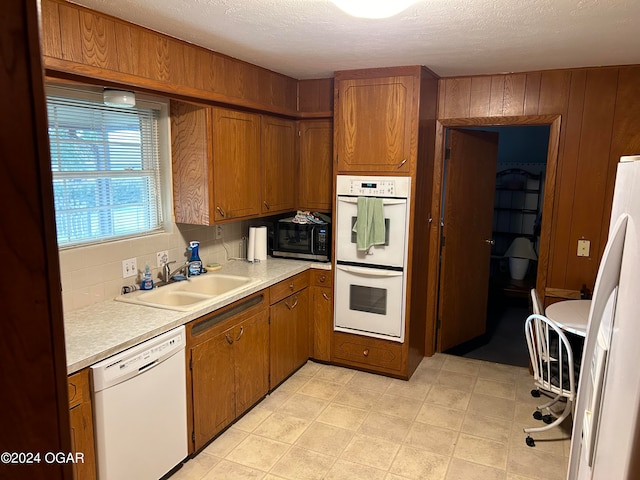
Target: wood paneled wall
(600,121)
(79,42)
(315,98)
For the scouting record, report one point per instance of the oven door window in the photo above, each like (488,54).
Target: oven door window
(354,235)
(368,299)
(292,237)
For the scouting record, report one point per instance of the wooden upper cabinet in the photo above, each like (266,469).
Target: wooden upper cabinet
(376,123)
(236,164)
(279,165)
(191,163)
(316,155)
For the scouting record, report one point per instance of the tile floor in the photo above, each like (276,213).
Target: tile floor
(456,418)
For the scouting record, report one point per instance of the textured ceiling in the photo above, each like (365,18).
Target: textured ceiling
(313,38)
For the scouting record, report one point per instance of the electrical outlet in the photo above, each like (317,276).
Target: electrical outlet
(129,267)
(162,258)
(583,248)
(219,232)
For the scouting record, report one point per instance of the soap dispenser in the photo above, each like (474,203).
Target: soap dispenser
(195,264)
(147,281)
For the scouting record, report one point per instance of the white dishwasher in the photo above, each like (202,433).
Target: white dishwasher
(140,409)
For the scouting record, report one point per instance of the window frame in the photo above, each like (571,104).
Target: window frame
(164,189)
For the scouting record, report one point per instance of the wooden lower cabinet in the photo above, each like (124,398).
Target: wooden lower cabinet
(321,314)
(229,365)
(383,356)
(81,424)
(289,328)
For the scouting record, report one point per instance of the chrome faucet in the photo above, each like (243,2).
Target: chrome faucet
(168,274)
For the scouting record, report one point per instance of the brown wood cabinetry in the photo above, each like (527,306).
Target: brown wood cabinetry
(81,422)
(385,124)
(230,165)
(279,165)
(289,330)
(192,170)
(228,365)
(383,356)
(321,314)
(376,121)
(316,156)
(236,164)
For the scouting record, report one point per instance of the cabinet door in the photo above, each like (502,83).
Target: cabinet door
(289,335)
(81,421)
(213,386)
(251,356)
(191,163)
(236,164)
(375,124)
(316,156)
(279,182)
(322,318)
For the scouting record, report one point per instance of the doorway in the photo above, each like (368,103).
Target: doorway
(529,145)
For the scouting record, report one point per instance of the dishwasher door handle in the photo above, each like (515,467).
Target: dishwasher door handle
(148,366)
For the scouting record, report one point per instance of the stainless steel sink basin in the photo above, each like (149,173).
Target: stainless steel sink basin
(191,294)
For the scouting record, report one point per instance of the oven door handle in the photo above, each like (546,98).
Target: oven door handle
(385,201)
(371,272)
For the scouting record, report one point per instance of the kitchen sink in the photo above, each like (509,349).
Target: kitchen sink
(190,294)
(214,284)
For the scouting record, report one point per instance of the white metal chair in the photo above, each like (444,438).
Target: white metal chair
(536,303)
(554,370)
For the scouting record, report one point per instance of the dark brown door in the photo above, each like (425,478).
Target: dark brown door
(466,252)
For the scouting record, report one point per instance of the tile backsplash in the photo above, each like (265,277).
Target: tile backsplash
(93,273)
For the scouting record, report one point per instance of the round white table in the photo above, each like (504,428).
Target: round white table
(570,315)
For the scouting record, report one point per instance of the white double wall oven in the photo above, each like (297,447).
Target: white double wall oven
(370,285)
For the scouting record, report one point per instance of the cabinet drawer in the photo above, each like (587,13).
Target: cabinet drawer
(321,278)
(78,385)
(367,351)
(287,287)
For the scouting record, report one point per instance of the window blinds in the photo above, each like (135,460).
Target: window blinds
(106,170)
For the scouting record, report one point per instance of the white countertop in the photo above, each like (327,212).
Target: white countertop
(98,331)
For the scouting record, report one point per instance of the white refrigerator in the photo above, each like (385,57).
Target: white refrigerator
(606,430)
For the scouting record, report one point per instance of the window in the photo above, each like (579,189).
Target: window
(106,166)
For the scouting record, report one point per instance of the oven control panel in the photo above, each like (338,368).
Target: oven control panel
(375,188)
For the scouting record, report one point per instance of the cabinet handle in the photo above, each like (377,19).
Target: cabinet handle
(326,297)
(221,211)
(295,303)
(229,339)
(402,163)
(291,287)
(240,334)
(322,278)
(267,205)
(490,241)
(366,352)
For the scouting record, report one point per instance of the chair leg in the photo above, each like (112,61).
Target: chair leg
(566,412)
(553,401)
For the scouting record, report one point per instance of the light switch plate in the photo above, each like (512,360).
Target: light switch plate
(583,248)
(129,267)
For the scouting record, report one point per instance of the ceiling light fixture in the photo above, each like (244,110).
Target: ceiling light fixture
(119,98)
(373,8)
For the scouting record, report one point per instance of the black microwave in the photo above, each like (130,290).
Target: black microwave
(309,241)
